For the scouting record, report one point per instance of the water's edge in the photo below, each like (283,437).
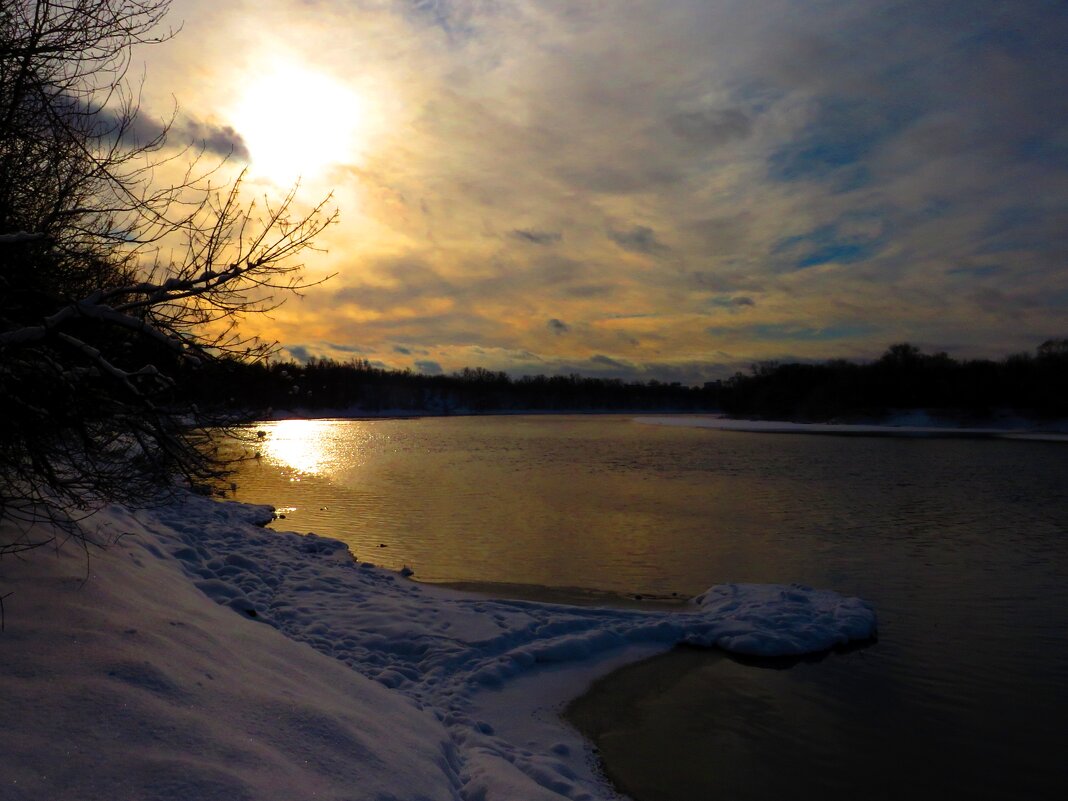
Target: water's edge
(571,596)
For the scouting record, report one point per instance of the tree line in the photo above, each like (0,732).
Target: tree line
(356,385)
(902,378)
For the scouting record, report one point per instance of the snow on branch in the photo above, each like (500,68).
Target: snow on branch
(118,292)
(19,238)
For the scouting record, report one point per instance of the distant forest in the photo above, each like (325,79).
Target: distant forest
(324,384)
(902,378)
(1034,385)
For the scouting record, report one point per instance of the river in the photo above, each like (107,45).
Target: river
(961,544)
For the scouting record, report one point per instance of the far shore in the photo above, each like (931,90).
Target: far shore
(410,414)
(907,423)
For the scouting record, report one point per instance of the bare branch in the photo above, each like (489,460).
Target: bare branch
(98,328)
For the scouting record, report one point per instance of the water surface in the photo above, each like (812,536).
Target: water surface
(962,545)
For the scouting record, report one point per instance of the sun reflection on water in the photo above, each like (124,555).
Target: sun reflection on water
(303,445)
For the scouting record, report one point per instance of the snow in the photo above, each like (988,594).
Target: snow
(20,237)
(201,656)
(911,425)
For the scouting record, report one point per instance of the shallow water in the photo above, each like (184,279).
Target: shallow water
(962,546)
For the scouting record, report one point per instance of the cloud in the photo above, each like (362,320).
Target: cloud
(732,302)
(397,281)
(428,367)
(558,326)
(184,131)
(458,19)
(221,140)
(345,348)
(612,179)
(536,237)
(590,290)
(605,361)
(711,127)
(795,167)
(638,239)
(977,271)
(298,353)
(791,332)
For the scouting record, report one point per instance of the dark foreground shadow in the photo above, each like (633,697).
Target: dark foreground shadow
(696,723)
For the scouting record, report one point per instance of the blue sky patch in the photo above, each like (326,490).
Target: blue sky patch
(842,133)
(838,252)
(825,245)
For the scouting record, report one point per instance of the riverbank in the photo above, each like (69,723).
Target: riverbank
(915,425)
(644,741)
(571,596)
(200,656)
(358,413)
(694,723)
(905,423)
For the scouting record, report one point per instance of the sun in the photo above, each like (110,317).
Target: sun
(296,122)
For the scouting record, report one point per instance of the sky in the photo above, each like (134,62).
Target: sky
(669,189)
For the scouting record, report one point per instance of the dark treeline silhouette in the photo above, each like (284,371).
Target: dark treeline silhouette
(356,385)
(1034,385)
(905,378)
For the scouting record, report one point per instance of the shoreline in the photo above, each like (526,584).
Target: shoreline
(1026,430)
(670,728)
(293,669)
(906,426)
(611,715)
(566,596)
(300,413)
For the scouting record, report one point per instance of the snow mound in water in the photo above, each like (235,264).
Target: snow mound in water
(774,620)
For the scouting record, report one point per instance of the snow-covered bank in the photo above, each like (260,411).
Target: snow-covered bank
(1024,430)
(182,668)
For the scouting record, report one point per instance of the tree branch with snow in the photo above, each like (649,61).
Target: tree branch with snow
(114,288)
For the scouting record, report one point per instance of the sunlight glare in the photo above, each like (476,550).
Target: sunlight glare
(303,445)
(297,122)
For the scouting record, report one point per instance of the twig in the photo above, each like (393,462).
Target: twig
(2,617)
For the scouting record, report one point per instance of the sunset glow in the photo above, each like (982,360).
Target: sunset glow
(279,113)
(670,190)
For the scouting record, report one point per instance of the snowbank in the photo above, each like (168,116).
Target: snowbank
(208,658)
(122,680)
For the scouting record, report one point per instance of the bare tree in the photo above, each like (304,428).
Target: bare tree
(112,285)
